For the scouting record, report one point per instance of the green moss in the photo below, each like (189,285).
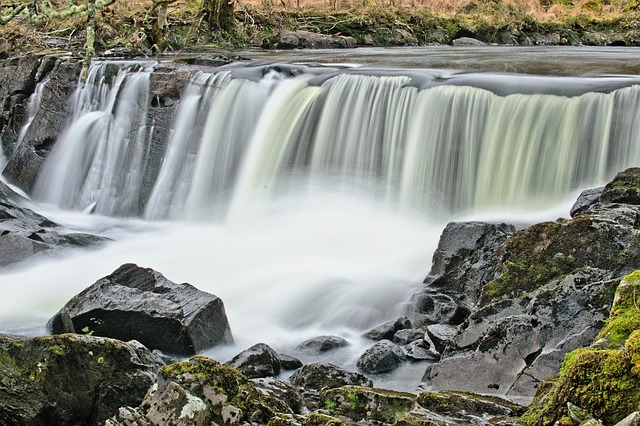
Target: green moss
(604,382)
(59,350)
(357,402)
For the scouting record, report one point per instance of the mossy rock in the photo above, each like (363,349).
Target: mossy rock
(452,403)
(224,388)
(604,382)
(313,419)
(359,402)
(70,379)
(551,250)
(624,188)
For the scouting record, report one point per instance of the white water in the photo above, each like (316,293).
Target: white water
(318,205)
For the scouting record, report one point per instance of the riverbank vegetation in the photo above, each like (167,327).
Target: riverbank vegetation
(178,25)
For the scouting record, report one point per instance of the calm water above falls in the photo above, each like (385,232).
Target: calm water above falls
(310,198)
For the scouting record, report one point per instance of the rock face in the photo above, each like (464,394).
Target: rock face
(602,380)
(141,304)
(71,379)
(24,233)
(547,294)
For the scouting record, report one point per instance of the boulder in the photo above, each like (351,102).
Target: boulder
(422,350)
(548,295)
(388,329)
(321,344)
(257,361)
(319,376)
(288,362)
(442,335)
(403,337)
(281,390)
(25,233)
(141,304)
(467,257)
(202,391)
(586,199)
(601,380)
(359,403)
(71,379)
(382,357)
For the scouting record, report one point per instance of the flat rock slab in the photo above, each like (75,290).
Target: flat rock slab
(141,304)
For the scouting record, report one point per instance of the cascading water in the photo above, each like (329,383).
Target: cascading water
(318,193)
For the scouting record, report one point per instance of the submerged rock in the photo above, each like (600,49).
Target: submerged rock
(141,304)
(71,379)
(257,361)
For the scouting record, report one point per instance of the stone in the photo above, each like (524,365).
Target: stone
(442,335)
(467,407)
(202,391)
(300,39)
(467,257)
(388,329)
(25,234)
(403,337)
(586,199)
(141,304)
(71,379)
(382,357)
(257,361)
(321,344)
(422,350)
(321,375)
(467,41)
(288,362)
(281,390)
(359,403)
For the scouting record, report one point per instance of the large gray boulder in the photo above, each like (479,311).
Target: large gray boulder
(257,361)
(549,294)
(71,379)
(321,375)
(141,304)
(381,357)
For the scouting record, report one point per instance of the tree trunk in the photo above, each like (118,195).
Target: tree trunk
(219,14)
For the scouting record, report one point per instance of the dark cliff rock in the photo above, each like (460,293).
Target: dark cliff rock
(25,156)
(545,294)
(25,233)
(71,379)
(140,303)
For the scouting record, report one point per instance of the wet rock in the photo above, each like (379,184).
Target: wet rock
(451,407)
(608,368)
(319,376)
(141,304)
(422,350)
(321,344)
(388,329)
(25,234)
(585,200)
(288,362)
(467,41)
(367,404)
(257,361)
(403,337)
(71,379)
(282,391)
(27,157)
(442,335)
(551,39)
(202,391)
(467,257)
(382,357)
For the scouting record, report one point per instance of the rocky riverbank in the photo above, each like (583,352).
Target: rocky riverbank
(502,312)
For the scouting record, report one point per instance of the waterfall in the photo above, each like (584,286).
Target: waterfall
(437,145)
(98,162)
